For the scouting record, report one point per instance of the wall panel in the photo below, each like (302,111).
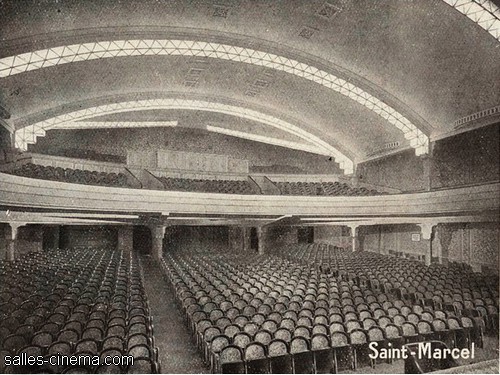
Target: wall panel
(467,158)
(96,236)
(404,171)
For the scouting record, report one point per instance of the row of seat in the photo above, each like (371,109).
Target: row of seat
(454,288)
(77,176)
(388,273)
(83,301)
(191,185)
(239,301)
(208,186)
(323,188)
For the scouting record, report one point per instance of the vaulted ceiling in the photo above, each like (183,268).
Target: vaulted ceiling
(342,78)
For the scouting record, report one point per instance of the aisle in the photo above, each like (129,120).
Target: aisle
(176,351)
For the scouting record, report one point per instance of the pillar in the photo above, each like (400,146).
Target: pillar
(37,236)
(236,239)
(247,239)
(445,235)
(157,235)
(354,236)
(426,232)
(261,236)
(125,238)
(55,236)
(427,171)
(437,249)
(381,243)
(242,242)
(11,240)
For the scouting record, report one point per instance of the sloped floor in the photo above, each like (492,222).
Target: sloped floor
(178,354)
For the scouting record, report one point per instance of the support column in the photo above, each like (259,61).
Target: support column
(125,238)
(445,235)
(247,242)
(56,234)
(427,171)
(157,235)
(11,240)
(236,239)
(426,231)
(381,244)
(261,236)
(354,236)
(437,249)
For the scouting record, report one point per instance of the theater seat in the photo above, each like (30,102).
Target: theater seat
(416,365)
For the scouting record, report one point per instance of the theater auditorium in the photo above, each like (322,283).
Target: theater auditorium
(236,186)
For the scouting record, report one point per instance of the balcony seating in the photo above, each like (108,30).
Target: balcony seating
(323,188)
(208,186)
(280,312)
(82,301)
(77,176)
(244,187)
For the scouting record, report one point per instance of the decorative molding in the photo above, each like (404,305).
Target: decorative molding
(307,32)
(196,69)
(19,192)
(116,124)
(7,125)
(328,10)
(464,121)
(483,12)
(386,149)
(471,122)
(146,47)
(392,145)
(260,83)
(221,11)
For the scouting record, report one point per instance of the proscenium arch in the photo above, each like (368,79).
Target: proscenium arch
(28,134)
(66,54)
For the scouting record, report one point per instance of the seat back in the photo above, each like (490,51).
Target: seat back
(299,345)
(320,341)
(230,354)
(254,350)
(339,339)
(277,348)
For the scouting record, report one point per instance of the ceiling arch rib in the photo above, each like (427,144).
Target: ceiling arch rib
(150,47)
(115,124)
(264,139)
(28,134)
(483,12)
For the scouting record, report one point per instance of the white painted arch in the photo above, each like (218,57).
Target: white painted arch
(79,119)
(67,54)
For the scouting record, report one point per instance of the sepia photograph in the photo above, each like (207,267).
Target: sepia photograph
(249,186)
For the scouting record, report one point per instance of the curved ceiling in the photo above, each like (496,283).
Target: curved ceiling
(345,77)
